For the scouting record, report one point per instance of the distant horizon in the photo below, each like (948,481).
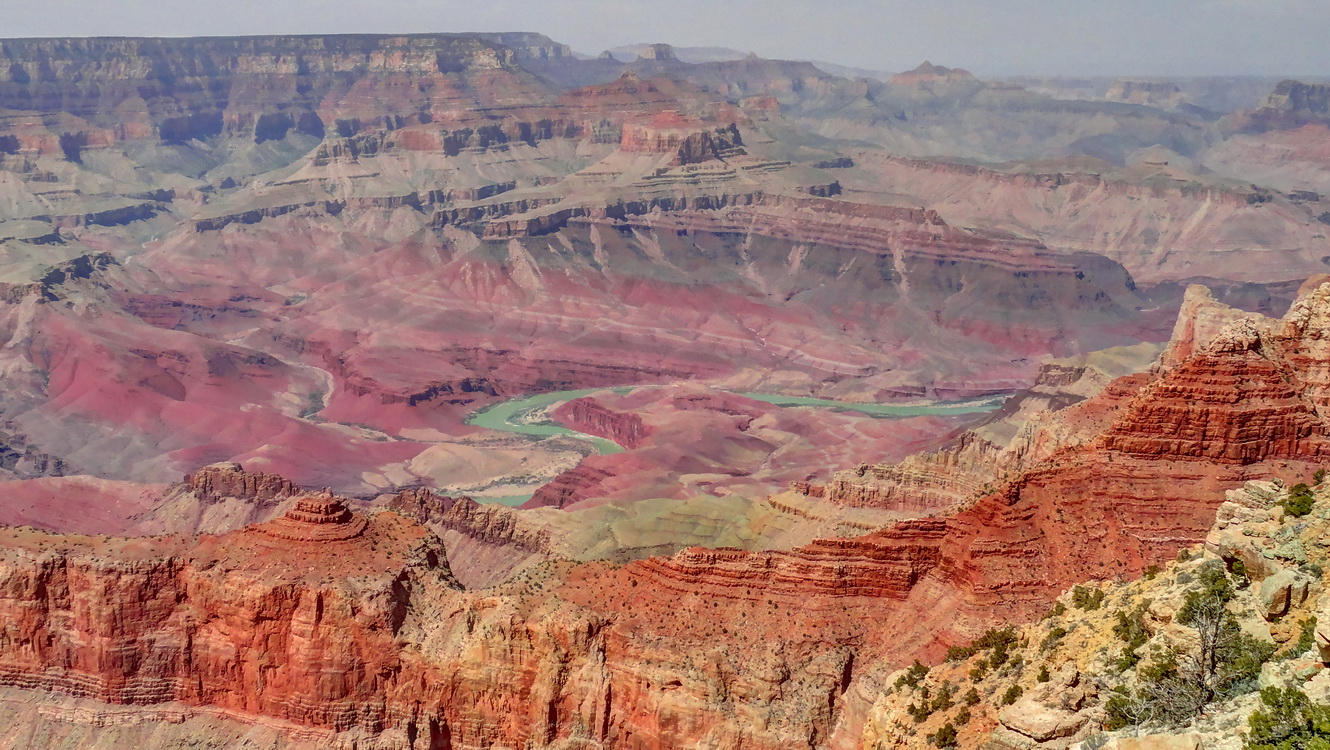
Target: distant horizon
(1017,38)
(587,54)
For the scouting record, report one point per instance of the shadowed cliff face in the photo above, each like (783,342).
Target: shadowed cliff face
(264,87)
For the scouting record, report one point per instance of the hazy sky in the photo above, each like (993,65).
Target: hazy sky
(990,37)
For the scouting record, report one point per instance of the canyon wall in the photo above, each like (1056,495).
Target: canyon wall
(354,626)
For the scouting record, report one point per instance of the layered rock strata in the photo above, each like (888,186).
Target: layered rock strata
(354,626)
(1141,486)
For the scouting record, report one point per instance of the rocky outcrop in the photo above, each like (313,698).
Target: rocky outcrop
(1303,342)
(884,565)
(1292,104)
(1058,708)
(1229,403)
(530,46)
(1090,664)
(202,88)
(230,480)
(658,52)
(216,499)
(590,416)
(570,487)
(51,281)
(930,77)
(367,641)
(688,141)
(315,518)
(1280,592)
(255,215)
(488,524)
(1071,209)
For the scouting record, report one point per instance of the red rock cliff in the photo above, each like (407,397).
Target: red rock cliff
(355,625)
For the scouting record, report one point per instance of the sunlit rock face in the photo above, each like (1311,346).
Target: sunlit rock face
(351,625)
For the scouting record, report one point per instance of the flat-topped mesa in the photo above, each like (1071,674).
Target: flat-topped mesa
(1295,97)
(1291,105)
(690,141)
(658,52)
(229,479)
(1148,93)
(316,518)
(928,75)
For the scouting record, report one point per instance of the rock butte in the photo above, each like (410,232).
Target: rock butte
(316,518)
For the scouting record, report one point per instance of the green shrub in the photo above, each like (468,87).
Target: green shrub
(923,709)
(1055,634)
(1287,720)
(1306,639)
(1086,598)
(1043,675)
(1013,693)
(963,716)
(1239,571)
(943,701)
(997,640)
(912,676)
(971,697)
(1128,659)
(1320,476)
(1123,710)
(960,653)
(945,736)
(1130,629)
(1173,686)
(1215,588)
(995,637)
(1299,500)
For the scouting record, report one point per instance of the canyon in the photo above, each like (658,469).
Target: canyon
(358,241)
(255,293)
(377,642)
